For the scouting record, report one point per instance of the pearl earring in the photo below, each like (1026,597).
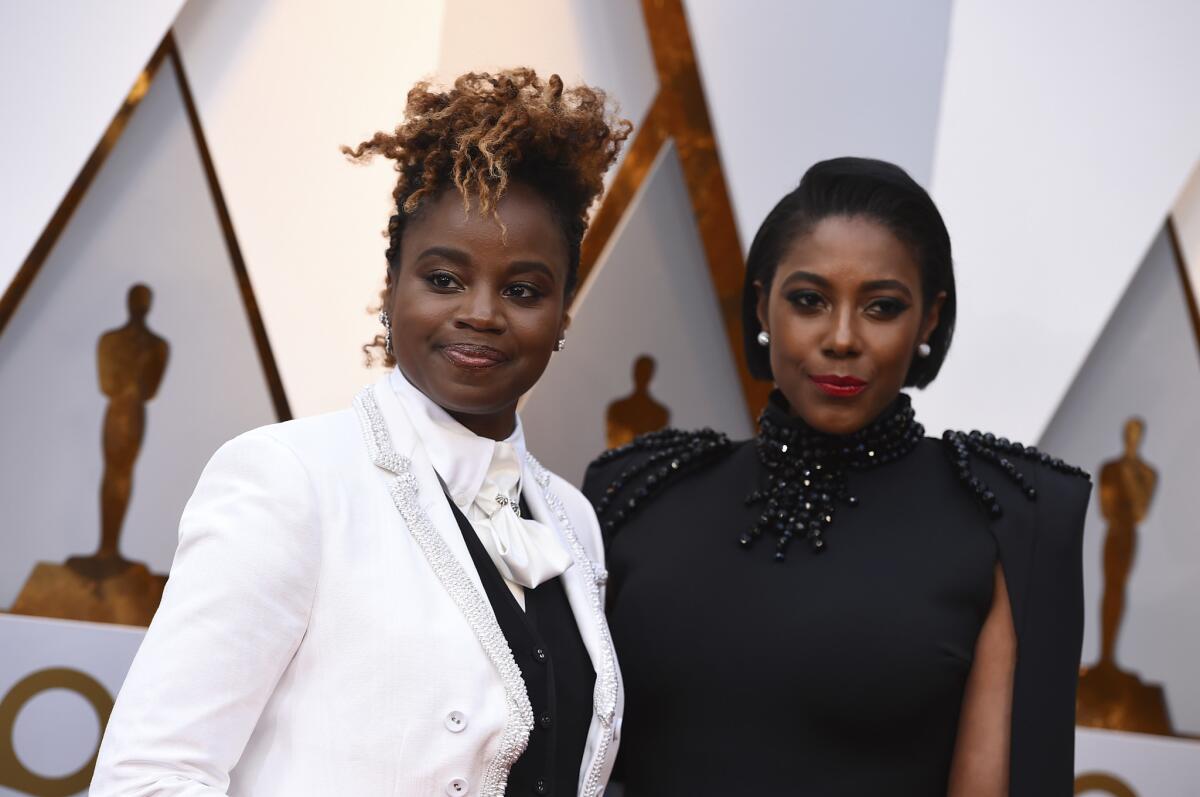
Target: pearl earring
(764,338)
(924,350)
(562,344)
(386,320)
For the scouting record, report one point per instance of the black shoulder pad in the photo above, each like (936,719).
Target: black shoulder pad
(960,446)
(622,479)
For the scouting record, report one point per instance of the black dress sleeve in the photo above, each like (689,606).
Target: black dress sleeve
(1036,508)
(1046,567)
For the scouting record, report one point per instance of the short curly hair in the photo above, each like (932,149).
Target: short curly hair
(493,129)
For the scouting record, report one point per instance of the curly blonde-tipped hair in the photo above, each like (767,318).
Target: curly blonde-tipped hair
(489,130)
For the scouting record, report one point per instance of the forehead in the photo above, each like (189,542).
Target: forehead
(524,227)
(851,249)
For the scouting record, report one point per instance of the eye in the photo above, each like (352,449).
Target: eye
(886,308)
(522,290)
(806,300)
(442,280)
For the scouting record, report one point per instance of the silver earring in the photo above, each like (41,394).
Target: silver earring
(562,344)
(764,338)
(924,350)
(386,320)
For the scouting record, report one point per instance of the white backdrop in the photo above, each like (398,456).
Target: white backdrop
(148,218)
(67,67)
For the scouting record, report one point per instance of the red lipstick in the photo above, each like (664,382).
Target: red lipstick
(471,355)
(839,386)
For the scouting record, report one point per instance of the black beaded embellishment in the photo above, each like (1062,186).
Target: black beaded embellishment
(806,470)
(1001,451)
(671,454)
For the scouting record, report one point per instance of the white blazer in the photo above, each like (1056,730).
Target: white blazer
(323,621)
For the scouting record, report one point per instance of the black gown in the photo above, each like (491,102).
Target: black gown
(839,671)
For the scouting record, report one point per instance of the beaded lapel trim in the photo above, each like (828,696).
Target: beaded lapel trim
(458,584)
(605,697)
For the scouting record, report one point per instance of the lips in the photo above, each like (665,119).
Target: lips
(473,355)
(838,385)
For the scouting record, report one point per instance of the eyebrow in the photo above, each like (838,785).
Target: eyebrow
(454,255)
(808,276)
(885,285)
(533,265)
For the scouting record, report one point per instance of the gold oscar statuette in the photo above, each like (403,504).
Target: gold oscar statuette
(1110,697)
(105,586)
(638,412)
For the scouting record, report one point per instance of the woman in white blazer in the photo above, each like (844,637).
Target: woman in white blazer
(397,599)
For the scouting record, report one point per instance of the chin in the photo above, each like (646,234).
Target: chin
(836,416)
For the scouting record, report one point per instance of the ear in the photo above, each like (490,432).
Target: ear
(565,325)
(764,294)
(932,317)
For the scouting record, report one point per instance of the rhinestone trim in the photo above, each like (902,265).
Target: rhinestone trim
(461,588)
(605,695)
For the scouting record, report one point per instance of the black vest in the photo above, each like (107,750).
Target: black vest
(558,673)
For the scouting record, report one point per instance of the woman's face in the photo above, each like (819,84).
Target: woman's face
(476,308)
(845,316)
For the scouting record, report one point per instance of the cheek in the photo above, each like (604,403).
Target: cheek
(892,346)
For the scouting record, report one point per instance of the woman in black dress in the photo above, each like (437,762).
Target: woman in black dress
(843,606)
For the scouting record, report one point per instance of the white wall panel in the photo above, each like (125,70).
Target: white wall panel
(279,87)
(1145,364)
(652,295)
(148,217)
(792,82)
(65,69)
(1067,130)
(603,44)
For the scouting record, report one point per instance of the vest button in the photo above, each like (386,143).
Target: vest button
(540,655)
(540,787)
(456,722)
(456,787)
(546,720)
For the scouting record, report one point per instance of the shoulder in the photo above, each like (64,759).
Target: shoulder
(291,451)
(998,472)
(308,439)
(622,479)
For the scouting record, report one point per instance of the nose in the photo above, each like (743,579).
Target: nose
(842,338)
(481,310)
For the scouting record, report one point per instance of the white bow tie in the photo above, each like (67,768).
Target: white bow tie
(524,551)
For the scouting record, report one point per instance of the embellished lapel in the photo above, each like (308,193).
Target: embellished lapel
(582,583)
(415,495)
(430,496)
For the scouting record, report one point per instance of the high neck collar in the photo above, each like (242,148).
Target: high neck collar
(891,435)
(805,471)
(459,456)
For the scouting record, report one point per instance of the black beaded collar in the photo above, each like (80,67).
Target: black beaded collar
(805,470)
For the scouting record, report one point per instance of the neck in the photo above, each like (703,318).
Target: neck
(494,426)
(900,404)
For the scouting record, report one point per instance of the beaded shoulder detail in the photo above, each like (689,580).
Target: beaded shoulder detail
(962,446)
(651,462)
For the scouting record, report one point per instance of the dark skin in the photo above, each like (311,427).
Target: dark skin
(847,300)
(477,306)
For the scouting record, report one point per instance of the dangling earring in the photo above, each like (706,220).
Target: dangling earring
(386,320)
(562,344)
(764,338)
(924,350)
